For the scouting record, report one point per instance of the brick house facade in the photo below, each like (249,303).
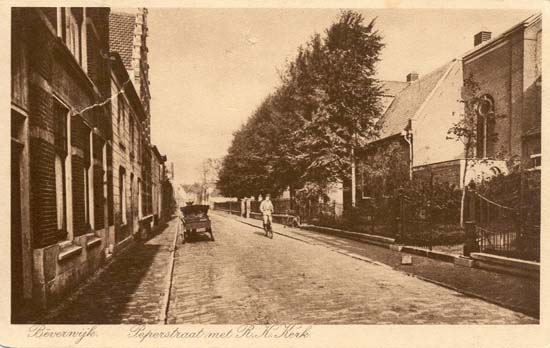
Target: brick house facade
(58,73)
(80,149)
(127,149)
(508,71)
(132,162)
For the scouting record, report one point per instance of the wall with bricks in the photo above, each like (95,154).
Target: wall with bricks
(58,83)
(508,71)
(497,83)
(127,156)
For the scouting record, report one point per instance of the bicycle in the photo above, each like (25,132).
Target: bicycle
(267,228)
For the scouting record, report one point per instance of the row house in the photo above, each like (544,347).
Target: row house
(128,198)
(128,37)
(132,196)
(81,153)
(60,134)
(414,135)
(158,178)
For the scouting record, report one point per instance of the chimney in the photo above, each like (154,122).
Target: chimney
(482,36)
(413,76)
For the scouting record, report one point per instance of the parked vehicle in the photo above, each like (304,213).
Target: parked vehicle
(193,219)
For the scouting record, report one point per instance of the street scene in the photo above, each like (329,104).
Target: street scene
(180,166)
(244,277)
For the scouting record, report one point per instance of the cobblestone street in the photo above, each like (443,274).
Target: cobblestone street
(244,277)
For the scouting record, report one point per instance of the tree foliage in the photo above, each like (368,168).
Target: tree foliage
(302,135)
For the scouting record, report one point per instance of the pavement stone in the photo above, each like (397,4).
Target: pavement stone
(128,291)
(244,277)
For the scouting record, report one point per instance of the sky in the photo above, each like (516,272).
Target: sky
(211,68)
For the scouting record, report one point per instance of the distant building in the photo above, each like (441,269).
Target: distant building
(159,179)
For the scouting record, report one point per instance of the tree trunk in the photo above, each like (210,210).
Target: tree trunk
(463,199)
(353,188)
(462,204)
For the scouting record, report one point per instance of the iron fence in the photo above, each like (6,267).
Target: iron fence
(415,222)
(502,230)
(230,207)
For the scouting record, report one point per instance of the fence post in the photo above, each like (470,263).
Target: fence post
(470,244)
(399,216)
(430,224)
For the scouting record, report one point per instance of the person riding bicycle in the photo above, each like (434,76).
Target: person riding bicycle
(266,207)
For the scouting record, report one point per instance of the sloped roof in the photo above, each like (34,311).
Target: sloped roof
(408,102)
(121,36)
(391,88)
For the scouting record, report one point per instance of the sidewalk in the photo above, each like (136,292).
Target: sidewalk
(128,290)
(516,293)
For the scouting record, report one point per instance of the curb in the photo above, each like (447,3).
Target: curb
(362,237)
(386,242)
(169,277)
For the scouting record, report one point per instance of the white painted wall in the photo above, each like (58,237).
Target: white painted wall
(431,124)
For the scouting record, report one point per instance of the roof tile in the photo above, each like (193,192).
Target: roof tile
(408,101)
(121,36)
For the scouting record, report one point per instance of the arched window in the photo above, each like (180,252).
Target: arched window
(485,110)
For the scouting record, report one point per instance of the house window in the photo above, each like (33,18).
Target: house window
(536,161)
(485,125)
(132,136)
(138,154)
(120,119)
(89,178)
(69,28)
(60,140)
(122,195)
(140,199)
(19,73)
(85,170)
(132,194)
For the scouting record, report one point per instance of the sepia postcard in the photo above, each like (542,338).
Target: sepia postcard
(274,174)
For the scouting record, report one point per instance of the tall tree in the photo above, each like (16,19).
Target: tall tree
(305,132)
(346,96)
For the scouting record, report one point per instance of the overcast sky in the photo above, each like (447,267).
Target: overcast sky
(210,68)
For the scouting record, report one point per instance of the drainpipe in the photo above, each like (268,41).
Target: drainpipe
(407,135)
